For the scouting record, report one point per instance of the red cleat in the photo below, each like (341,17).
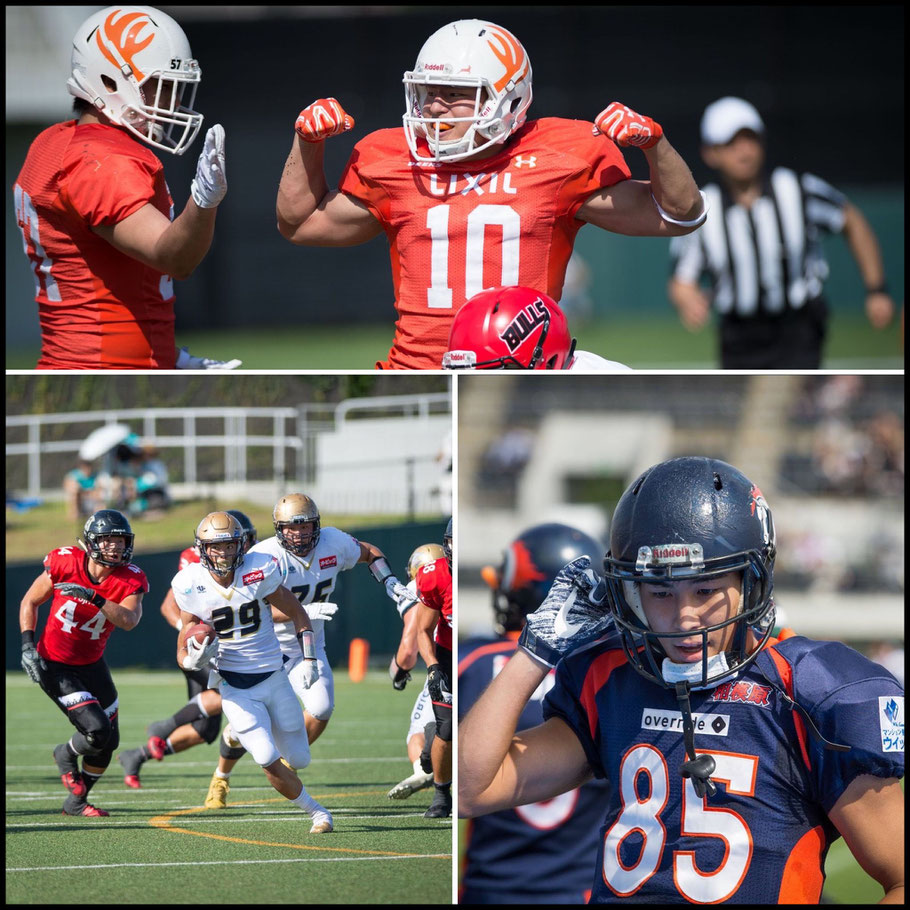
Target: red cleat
(68,767)
(89,811)
(132,780)
(156,747)
(74,783)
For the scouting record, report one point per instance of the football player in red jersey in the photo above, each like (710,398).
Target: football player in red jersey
(199,720)
(96,215)
(737,756)
(434,642)
(470,193)
(93,590)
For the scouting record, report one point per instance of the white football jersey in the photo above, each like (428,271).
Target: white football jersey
(239,613)
(585,361)
(311,578)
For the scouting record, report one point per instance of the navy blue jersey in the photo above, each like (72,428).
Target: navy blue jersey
(763,837)
(535,854)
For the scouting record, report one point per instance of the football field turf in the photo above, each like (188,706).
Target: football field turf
(160,847)
(642,343)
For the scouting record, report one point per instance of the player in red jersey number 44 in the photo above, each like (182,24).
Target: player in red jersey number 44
(736,757)
(469,192)
(94,588)
(95,211)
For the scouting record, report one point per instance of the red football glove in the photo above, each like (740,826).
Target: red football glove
(321,119)
(626,127)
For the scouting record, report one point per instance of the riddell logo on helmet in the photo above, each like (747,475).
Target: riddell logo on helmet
(667,552)
(435,67)
(524,323)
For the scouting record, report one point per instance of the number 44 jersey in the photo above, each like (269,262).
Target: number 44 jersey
(763,836)
(458,228)
(239,613)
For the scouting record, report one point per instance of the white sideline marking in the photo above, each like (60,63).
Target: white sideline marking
(234,862)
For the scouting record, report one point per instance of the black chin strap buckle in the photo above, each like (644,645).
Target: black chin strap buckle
(698,768)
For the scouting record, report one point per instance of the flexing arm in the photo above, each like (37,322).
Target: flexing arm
(499,769)
(308,214)
(866,251)
(870,816)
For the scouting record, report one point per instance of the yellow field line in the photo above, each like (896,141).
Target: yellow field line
(163,822)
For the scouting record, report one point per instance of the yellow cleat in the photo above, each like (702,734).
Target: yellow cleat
(216,798)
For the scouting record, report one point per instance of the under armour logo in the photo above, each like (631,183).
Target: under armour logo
(530,161)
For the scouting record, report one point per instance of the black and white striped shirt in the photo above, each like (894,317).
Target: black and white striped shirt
(767,258)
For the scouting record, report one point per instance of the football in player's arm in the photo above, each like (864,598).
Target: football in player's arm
(94,588)
(741,756)
(467,158)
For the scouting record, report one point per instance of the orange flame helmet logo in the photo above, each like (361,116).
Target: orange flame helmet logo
(508,50)
(120,36)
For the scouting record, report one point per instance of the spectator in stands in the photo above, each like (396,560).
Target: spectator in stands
(151,482)
(83,493)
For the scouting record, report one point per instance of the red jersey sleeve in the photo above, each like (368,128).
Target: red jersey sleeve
(381,150)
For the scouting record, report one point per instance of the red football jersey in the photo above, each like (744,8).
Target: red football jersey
(456,229)
(434,588)
(189,555)
(98,307)
(76,632)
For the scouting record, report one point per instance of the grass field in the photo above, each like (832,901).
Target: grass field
(641,343)
(159,847)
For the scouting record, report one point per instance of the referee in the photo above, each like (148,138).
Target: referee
(760,249)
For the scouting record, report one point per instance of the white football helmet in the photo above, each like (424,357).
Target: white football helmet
(120,55)
(475,54)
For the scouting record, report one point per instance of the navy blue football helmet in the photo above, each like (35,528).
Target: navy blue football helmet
(108,523)
(250,536)
(529,565)
(684,519)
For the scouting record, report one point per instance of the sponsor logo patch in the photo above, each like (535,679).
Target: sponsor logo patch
(657,719)
(327,562)
(748,693)
(250,577)
(891,722)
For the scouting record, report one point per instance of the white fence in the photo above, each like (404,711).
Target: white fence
(360,455)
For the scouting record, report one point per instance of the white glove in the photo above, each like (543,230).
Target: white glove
(405,601)
(310,673)
(321,610)
(572,614)
(186,361)
(395,589)
(199,655)
(210,183)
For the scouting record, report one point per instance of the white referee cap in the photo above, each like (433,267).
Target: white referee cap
(724,118)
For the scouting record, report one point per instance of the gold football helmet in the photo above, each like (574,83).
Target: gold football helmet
(424,554)
(296,519)
(219,528)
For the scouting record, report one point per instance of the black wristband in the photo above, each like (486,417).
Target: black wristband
(878,289)
(28,638)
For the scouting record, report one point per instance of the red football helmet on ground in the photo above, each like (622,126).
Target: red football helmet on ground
(511,328)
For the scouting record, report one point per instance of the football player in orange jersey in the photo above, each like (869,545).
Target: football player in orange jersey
(96,215)
(471,194)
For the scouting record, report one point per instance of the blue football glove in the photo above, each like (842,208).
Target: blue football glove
(572,614)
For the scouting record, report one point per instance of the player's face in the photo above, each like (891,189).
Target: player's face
(222,553)
(299,534)
(741,159)
(688,606)
(448,102)
(112,547)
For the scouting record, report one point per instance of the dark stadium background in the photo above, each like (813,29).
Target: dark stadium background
(829,83)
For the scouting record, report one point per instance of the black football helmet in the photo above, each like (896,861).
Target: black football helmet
(107,523)
(447,543)
(249,531)
(684,519)
(529,565)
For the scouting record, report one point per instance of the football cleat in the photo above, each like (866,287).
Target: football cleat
(419,780)
(441,807)
(68,766)
(322,822)
(156,747)
(132,761)
(84,809)
(216,798)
